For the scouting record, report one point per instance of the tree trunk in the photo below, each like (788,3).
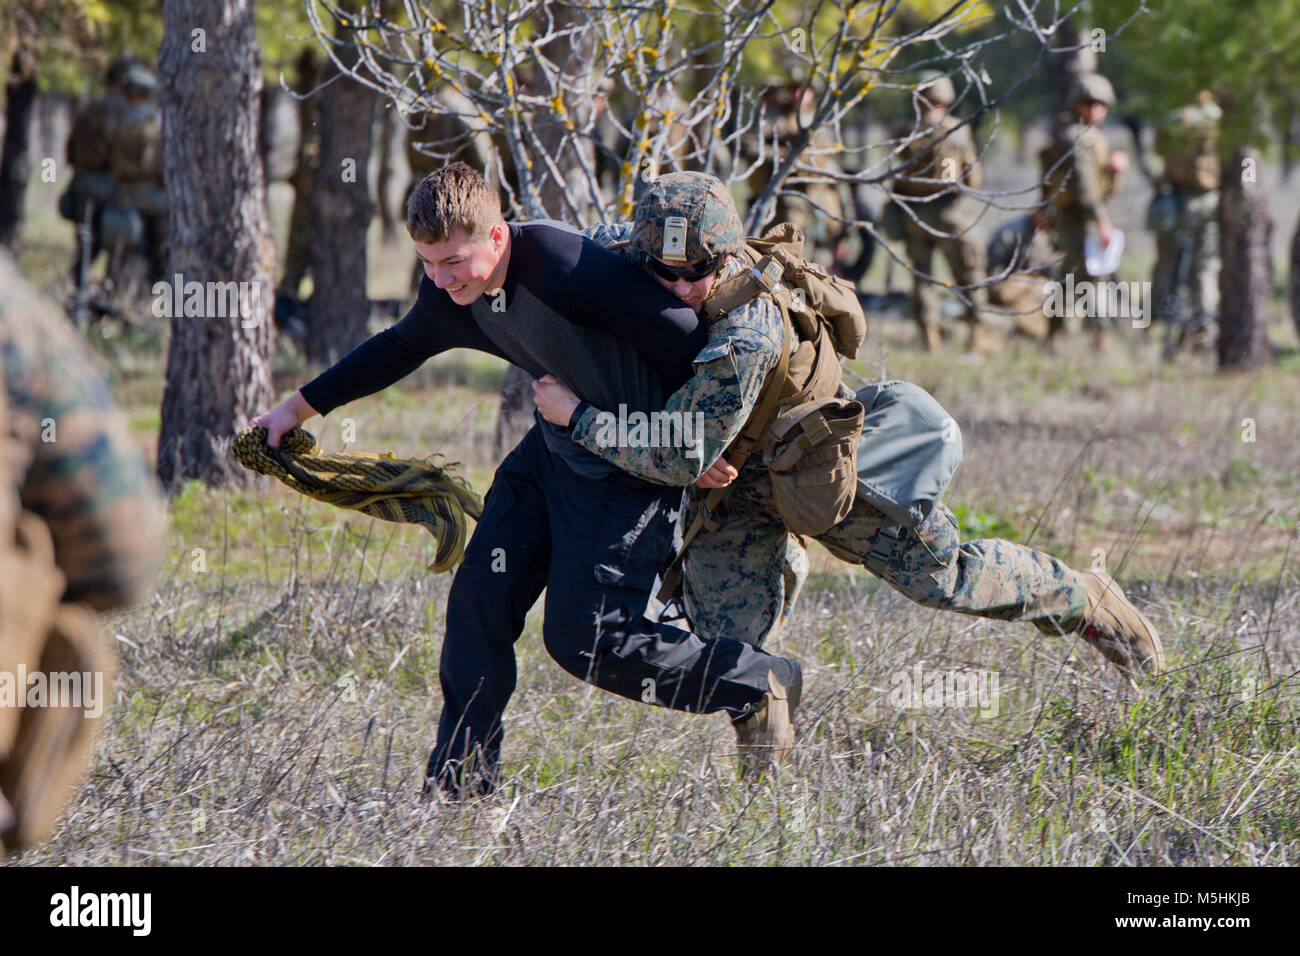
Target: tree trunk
(340,214)
(1295,278)
(1064,68)
(218,364)
(389,132)
(1243,280)
(15,159)
(516,414)
(297,256)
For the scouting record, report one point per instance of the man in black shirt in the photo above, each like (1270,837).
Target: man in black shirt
(556,516)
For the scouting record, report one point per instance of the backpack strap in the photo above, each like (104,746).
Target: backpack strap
(733,292)
(737,454)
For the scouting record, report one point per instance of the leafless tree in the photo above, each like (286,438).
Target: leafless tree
(585,103)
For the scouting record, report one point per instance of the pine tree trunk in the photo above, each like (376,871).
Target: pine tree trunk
(297,256)
(389,133)
(340,214)
(15,158)
(1295,278)
(516,414)
(1064,68)
(1243,280)
(218,365)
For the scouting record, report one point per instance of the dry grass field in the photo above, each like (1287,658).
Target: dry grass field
(277,695)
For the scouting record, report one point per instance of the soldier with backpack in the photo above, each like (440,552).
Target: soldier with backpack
(1184,217)
(768,387)
(1080,173)
(935,212)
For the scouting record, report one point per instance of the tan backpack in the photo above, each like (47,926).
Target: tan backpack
(802,425)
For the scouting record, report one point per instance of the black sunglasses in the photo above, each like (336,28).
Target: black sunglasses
(688,273)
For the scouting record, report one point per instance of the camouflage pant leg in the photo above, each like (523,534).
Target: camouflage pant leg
(1196,234)
(1164,276)
(1071,229)
(965,256)
(924,299)
(1203,272)
(741,580)
(966,261)
(988,577)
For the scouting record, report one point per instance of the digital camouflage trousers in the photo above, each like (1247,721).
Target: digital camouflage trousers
(741,579)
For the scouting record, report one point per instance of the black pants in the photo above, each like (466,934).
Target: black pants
(596,547)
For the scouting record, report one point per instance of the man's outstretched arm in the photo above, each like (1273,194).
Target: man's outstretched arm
(699,420)
(433,325)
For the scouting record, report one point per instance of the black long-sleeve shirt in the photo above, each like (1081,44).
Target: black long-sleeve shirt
(571,309)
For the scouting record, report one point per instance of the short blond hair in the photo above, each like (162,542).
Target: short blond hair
(453,199)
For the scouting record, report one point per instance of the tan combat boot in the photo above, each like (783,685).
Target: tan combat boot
(1119,630)
(933,338)
(765,736)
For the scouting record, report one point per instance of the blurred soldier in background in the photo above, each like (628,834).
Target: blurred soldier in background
(818,208)
(80,527)
(92,187)
(1080,173)
(939,154)
(1184,217)
(1022,248)
(135,156)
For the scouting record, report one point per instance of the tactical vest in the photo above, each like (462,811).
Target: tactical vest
(1060,189)
(806,432)
(92,135)
(1189,145)
(939,154)
(136,153)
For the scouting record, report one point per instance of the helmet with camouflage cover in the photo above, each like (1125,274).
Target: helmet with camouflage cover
(936,88)
(118,69)
(686,219)
(1092,88)
(139,79)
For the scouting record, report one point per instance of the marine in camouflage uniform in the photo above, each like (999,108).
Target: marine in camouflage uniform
(1081,173)
(733,575)
(1023,250)
(1184,212)
(939,150)
(72,477)
(135,155)
(92,185)
(818,208)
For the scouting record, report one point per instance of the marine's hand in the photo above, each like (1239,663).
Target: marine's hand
(554,400)
(719,475)
(285,417)
(1105,231)
(1118,161)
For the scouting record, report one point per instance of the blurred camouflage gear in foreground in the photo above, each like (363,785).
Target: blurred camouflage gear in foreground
(80,524)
